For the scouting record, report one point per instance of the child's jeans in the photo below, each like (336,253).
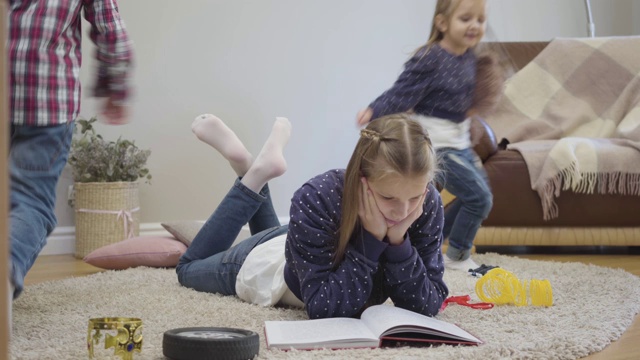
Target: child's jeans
(465,178)
(37,156)
(210,264)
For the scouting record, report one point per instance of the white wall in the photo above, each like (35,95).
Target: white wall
(315,62)
(635,17)
(541,20)
(614,17)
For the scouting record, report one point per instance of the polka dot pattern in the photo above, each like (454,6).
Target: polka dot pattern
(435,83)
(371,271)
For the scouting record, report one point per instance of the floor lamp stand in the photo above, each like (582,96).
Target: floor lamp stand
(591,27)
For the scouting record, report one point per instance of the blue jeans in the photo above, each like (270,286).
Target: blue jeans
(37,155)
(210,264)
(465,178)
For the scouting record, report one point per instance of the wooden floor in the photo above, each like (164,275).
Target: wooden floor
(627,347)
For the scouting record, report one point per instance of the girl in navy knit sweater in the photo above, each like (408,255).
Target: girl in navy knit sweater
(355,237)
(438,86)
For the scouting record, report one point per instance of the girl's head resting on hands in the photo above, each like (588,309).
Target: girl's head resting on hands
(397,160)
(458,24)
(395,156)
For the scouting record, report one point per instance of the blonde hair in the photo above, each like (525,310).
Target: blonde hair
(391,144)
(445,8)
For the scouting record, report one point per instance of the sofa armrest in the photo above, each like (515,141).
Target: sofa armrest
(483,138)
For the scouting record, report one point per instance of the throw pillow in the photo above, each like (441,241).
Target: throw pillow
(152,251)
(184,231)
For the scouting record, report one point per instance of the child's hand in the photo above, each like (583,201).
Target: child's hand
(370,216)
(364,116)
(397,231)
(114,113)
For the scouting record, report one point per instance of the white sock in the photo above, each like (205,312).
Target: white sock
(270,162)
(460,265)
(213,131)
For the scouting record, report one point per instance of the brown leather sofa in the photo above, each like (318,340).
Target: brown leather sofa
(516,216)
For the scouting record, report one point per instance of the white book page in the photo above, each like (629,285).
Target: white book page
(381,318)
(319,331)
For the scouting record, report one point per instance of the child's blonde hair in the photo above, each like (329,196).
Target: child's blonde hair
(391,144)
(444,8)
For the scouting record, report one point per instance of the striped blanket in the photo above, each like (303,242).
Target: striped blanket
(574,114)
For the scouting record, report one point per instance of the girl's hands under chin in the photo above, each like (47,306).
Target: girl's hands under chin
(397,231)
(370,216)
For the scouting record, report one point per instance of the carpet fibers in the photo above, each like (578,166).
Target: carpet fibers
(592,307)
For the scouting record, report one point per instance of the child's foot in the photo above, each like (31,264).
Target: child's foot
(460,265)
(213,131)
(270,163)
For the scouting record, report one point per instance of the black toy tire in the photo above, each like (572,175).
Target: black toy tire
(232,344)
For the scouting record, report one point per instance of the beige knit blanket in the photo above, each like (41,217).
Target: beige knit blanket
(574,114)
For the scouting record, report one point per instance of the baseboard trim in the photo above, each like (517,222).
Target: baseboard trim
(62,240)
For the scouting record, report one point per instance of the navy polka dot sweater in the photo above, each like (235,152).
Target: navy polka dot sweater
(434,83)
(372,271)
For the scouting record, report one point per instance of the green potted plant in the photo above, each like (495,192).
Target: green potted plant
(106,176)
(93,159)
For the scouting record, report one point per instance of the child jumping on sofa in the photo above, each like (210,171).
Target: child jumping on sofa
(355,237)
(438,85)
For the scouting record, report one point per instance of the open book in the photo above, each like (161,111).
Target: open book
(377,323)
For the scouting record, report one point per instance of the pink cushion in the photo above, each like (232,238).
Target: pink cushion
(152,251)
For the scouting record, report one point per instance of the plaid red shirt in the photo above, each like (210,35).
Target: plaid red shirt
(44,50)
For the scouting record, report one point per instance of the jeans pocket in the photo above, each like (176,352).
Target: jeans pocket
(41,149)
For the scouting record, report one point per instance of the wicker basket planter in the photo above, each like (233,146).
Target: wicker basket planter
(106,213)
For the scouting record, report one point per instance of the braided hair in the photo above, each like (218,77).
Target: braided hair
(393,144)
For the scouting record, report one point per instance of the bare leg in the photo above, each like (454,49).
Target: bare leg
(213,131)
(270,163)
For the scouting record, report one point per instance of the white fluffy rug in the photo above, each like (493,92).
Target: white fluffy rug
(592,307)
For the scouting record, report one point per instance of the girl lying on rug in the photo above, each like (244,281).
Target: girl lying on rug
(355,238)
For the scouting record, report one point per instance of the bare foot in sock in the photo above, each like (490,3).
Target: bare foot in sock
(270,163)
(461,265)
(213,131)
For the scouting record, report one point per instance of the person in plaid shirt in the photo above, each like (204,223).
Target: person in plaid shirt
(44,52)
